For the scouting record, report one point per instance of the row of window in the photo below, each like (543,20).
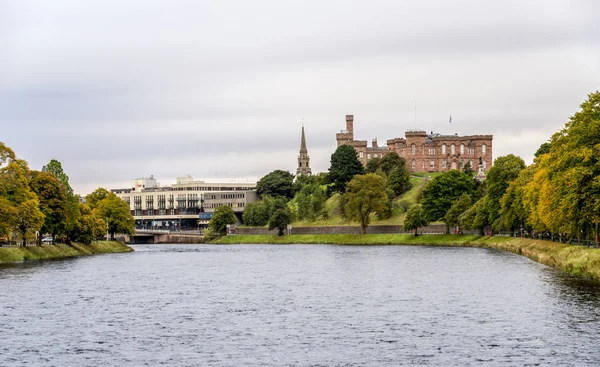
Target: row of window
(212,188)
(445,164)
(469,150)
(224,196)
(231,205)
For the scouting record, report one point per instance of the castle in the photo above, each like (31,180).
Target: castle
(424,152)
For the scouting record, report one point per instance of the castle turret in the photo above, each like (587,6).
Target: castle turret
(303,158)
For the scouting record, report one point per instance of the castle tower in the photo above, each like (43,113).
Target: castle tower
(303,158)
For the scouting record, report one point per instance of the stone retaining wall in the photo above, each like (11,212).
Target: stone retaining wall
(436,228)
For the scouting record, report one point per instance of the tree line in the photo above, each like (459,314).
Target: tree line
(38,203)
(558,194)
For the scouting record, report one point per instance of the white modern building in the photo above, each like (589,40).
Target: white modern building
(187,204)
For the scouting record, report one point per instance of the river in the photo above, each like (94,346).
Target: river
(296,305)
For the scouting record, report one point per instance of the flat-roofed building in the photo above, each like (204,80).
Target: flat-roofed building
(179,206)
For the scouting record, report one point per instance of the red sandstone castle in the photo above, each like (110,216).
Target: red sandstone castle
(425,152)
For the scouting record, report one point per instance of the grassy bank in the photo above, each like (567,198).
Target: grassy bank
(47,252)
(577,260)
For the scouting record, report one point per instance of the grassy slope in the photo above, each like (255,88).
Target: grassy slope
(418,182)
(577,260)
(46,252)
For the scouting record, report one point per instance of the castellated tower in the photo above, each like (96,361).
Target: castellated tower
(303,158)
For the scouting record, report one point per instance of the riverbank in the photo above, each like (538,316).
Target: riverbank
(576,260)
(48,252)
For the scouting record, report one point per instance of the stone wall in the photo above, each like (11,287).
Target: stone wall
(438,228)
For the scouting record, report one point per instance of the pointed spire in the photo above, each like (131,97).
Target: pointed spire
(303,142)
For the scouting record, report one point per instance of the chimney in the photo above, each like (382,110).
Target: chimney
(374,143)
(350,123)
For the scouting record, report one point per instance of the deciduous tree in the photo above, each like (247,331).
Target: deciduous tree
(441,192)
(365,195)
(52,200)
(116,211)
(222,216)
(280,219)
(276,183)
(415,219)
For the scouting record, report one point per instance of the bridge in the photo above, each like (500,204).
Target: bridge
(154,236)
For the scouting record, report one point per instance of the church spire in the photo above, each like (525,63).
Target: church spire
(303,158)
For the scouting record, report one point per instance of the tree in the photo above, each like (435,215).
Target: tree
(116,212)
(29,219)
(543,149)
(365,195)
(399,180)
(468,169)
(441,192)
(256,214)
(476,217)
(373,165)
(6,154)
(88,226)
(504,170)
(310,202)
(53,202)
(280,219)
(276,183)
(514,205)
(55,168)
(415,219)
(453,214)
(344,166)
(222,216)
(96,196)
(19,207)
(390,161)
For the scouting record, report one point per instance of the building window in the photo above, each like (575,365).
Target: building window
(413,149)
(413,163)
(484,164)
(444,163)
(376,155)
(462,149)
(452,149)
(483,149)
(423,165)
(361,155)
(471,163)
(369,156)
(443,148)
(431,164)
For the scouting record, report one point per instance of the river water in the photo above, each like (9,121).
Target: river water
(296,305)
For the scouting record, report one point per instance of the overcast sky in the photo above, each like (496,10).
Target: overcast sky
(218,89)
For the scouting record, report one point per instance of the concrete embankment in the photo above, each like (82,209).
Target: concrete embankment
(48,252)
(577,260)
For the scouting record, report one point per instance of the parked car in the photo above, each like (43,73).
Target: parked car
(47,240)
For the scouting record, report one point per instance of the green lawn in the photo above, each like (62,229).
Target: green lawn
(47,251)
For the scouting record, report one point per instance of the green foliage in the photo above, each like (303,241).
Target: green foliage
(276,183)
(456,210)
(88,226)
(344,166)
(222,216)
(366,194)
(390,161)
(415,218)
(373,165)
(29,218)
(543,149)
(399,180)
(55,168)
(441,192)
(96,197)
(53,202)
(257,214)
(505,170)
(6,154)
(468,169)
(280,219)
(310,201)
(116,211)
(476,217)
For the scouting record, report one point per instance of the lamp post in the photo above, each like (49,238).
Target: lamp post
(106,219)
